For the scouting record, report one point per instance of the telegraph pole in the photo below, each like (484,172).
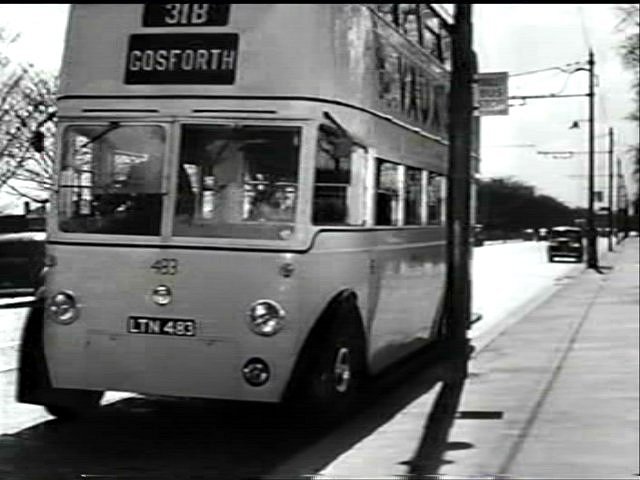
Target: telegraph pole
(610,245)
(459,187)
(622,204)
(592,250)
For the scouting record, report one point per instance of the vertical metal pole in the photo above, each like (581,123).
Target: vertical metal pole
(619,217)
(592,250)
(610,244)
(459,185)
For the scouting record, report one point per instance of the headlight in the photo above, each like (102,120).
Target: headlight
(266,317)
(62,308)
(576,245)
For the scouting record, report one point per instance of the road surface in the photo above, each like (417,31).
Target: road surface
(162,438)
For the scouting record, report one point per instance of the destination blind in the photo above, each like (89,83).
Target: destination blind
(182,59)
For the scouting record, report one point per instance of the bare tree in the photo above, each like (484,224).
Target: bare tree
(27,105)
(629,24)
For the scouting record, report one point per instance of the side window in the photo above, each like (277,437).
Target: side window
(436,189)
(413,196)
(387,206)
(338,197)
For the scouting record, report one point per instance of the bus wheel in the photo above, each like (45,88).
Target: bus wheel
(81,403)
(336,377)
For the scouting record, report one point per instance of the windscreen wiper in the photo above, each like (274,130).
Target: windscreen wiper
(112,126)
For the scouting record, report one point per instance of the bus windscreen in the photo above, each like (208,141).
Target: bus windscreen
(110,179)
(237,182)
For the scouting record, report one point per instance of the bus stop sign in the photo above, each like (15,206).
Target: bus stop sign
(492,93)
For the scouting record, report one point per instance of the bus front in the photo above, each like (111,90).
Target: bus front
(184,191)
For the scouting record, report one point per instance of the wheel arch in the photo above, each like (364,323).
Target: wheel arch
(344,300)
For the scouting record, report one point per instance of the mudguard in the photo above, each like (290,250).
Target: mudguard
(34,384)
(305,355)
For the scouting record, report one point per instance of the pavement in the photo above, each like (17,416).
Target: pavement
(555,395)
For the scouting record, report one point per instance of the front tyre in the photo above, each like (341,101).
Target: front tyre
(81,403)
(337,374)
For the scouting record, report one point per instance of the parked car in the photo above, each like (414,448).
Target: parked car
(21,262)
(529,234)
(565,242)
(543,234)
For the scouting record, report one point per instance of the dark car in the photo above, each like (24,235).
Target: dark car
(542,234)
(565,242)
(21,262)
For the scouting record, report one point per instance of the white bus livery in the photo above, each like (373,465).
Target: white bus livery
(249,205)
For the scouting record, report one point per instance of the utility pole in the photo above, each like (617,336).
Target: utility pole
(458,300)
(592,238)
(618,202)
(610,244)
(622,204)
(592,249)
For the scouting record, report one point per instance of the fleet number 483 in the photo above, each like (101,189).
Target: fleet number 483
(165,266)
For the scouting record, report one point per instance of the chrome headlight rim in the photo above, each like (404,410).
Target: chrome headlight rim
(162,295)
(266,323)
(70,312)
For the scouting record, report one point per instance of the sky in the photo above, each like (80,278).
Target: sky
(513,38)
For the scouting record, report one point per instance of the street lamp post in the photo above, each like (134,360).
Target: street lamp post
(610,239)
(592,250)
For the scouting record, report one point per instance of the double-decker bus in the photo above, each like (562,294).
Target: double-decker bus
(249,206)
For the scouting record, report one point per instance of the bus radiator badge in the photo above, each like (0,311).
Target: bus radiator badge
(161,295)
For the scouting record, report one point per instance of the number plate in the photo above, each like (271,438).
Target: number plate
(177,327)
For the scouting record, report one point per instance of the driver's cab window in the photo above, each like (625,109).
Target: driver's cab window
(340,173)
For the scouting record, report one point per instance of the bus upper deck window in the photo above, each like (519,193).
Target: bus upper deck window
(339,180)
(237,181)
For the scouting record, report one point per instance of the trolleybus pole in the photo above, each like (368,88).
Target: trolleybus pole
(592,246)
(459,186)
(610,219)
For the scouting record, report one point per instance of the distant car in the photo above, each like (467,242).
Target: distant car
(21,262)
(529,234)
(543,234)
(565,242)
